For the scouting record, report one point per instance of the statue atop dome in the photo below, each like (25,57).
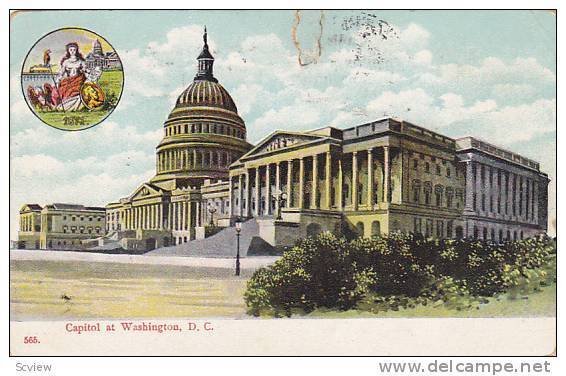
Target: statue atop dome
(205,62)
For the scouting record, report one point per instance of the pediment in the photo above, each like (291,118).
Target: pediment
(282,140)
(145,190)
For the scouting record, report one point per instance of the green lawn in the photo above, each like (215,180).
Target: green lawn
(114,290)
(110,82)
(537,304)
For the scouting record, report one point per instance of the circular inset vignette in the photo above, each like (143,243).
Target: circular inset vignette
(72,79)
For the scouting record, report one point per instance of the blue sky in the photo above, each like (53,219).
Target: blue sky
(489,74)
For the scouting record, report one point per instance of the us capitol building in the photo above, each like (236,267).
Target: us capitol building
(387,175)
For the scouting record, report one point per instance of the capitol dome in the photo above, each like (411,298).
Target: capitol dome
(206,93)
(203,133)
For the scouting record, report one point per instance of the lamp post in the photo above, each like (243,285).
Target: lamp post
(281,197)
(211,210)
(238,230)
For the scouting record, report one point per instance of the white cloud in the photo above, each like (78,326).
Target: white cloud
(39,166)
(106,136)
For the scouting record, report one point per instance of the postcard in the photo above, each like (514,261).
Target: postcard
(283,182)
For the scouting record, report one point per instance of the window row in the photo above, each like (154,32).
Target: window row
(502,236)
(204,128)
(81,230)
(437,168)
(190,159)
(442,197)
(82,218)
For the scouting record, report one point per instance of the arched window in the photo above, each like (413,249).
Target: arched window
(459,232)
(375,228)
(360,229)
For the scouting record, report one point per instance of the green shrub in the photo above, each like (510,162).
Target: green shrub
(393,266)
(317,272)
(398,271)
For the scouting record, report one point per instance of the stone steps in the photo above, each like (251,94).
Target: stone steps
(222,244)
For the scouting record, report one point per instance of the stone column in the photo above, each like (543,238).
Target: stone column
(314,185)
(194,158)
(478,188)
(355,180)
(340,201)
(160,216)
(178,215)
(198,219)
(147,216)
(248,194)
(488,190)
(277,186)
(301,182)
(386,174)
(240,195)
(327,181)
(536,201)
(524,199)
(190,223)
(231,195)
(519,201)
(183,210)
(510,195)
(289,182)
(256,191)
(267,190)
(370,179)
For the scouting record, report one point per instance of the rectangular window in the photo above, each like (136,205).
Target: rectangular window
(483,202)
(428,230)
(416,225)
(474,196)
(439,229)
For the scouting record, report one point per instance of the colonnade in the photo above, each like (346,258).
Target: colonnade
(323,164)
(27,223)
(187,159)
(500,193)
(180,216)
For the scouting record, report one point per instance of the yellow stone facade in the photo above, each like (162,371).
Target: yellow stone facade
(59,226)
(370,179)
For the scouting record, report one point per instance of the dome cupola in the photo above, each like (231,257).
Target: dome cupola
(205,62)
(203,133)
